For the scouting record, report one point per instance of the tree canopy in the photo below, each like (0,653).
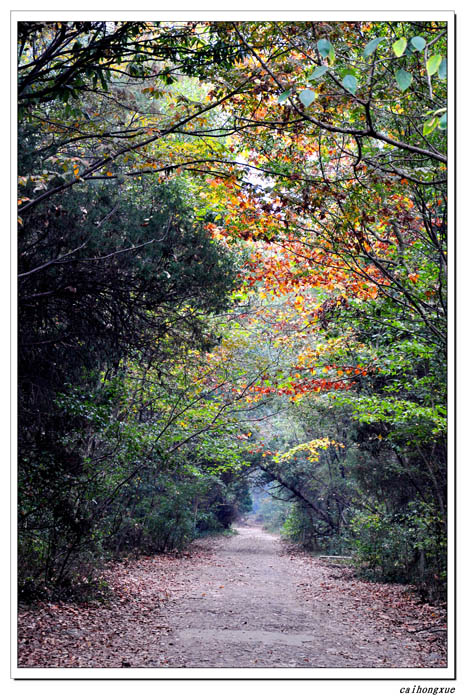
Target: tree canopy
(232,275)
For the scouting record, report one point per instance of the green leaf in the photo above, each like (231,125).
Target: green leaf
(332,54)
(350,83)
(399,46)
(442,72)
(283,96)
(324,47)
(443,122)
(430,125)
(437,111)
(307,97)
(418,43)
(372,46)
(318,72)
(433,63)
(404,79)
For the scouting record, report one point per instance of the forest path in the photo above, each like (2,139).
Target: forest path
(243,601)
(252,605)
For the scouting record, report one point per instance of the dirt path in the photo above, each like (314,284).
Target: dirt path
(237,602)
(251,607)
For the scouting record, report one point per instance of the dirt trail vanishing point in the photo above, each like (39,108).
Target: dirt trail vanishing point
(237,602)
(252,607)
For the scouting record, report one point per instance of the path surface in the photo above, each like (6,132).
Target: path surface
(252,606)
(237,602)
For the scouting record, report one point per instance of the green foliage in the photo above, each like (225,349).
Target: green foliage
(399,46)
(318,72)
(407,546)
(350,83)
(326,49)
(298,527)
(372,46)
(307,97)
(418,43)
(269,511)
(131,284)
(404,79)
(62,60)
(283,96)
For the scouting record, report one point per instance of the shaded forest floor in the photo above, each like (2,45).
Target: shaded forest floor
(238,602)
